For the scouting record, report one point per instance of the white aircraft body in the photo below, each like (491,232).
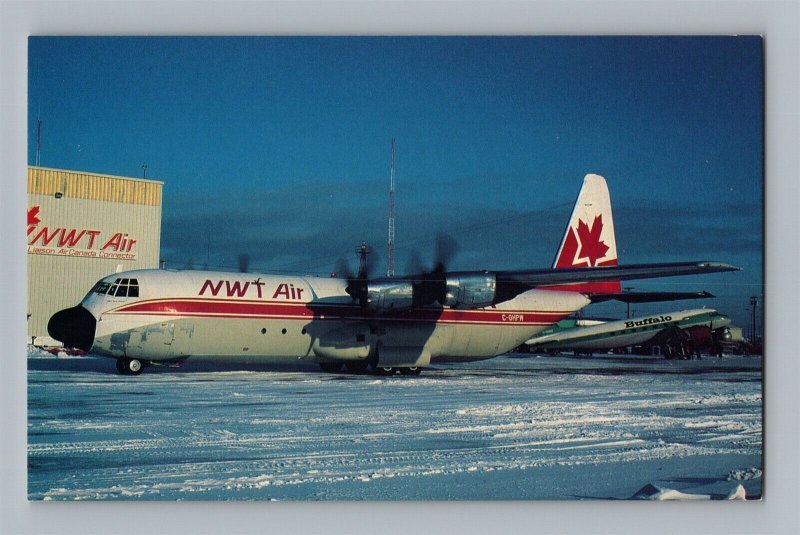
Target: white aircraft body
(627,332)
(400,324)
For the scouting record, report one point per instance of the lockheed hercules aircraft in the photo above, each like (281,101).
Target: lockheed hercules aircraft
(392,325)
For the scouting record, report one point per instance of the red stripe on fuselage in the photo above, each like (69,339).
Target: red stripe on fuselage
(256,309)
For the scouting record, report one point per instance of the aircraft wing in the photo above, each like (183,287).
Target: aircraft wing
(512,283)
(648,297)
(547,277)
(478,289)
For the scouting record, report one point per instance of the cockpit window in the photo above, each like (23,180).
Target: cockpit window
(101,287)
(120,288)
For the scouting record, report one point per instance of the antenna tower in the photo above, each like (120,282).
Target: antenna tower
(390,243)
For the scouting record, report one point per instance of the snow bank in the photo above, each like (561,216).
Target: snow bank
(652,492)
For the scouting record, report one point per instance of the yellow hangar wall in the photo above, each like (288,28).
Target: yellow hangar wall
(82,227)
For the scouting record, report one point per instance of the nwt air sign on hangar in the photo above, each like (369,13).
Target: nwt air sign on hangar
(81,227)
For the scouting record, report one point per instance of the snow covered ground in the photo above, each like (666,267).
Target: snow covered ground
(514,427)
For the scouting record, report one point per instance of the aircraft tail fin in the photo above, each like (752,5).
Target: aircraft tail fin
(589,239)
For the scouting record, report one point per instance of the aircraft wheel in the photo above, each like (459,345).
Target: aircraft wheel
(331,367)
(356,366)
(127,366)
(413,370)
(134,366)
(385,370)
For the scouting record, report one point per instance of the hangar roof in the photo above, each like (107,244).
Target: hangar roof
(83,185)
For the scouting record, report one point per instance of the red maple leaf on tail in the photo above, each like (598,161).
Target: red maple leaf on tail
(33,218)
(591,246)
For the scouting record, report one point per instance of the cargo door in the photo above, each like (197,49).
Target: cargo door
(181,345)
(152,341)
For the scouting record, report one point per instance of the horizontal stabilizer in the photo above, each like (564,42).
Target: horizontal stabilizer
(648,297)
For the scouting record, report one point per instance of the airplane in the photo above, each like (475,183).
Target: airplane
(673,330)
(391,325)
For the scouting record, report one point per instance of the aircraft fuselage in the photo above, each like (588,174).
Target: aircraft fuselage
(221,316)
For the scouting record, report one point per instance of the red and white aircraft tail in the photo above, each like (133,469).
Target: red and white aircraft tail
(589,239)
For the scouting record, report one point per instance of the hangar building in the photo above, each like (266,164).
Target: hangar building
(82,227)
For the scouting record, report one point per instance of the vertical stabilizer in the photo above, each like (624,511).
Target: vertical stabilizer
(589,239)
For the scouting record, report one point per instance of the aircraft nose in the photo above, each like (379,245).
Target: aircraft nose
(74,327)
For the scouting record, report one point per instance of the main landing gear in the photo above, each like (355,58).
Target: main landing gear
(127,366)
(362,367)
(389,370)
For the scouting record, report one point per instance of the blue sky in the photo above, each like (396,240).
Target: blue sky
(279,147)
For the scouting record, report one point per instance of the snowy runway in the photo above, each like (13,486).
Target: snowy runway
(508,428)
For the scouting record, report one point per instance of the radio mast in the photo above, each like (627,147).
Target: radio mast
(390,242)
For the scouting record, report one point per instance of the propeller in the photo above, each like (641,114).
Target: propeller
(430,286)
(244,262)
(357,284)
(414,264)
(446,249)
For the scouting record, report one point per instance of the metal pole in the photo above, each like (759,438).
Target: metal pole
(628,314)
(390,242)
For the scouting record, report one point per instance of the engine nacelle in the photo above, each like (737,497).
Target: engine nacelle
(460,290)
(389,295)
(471,290)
